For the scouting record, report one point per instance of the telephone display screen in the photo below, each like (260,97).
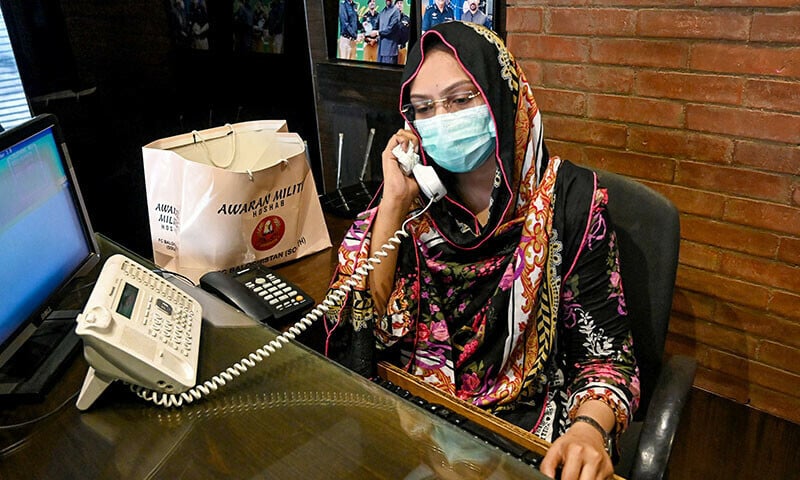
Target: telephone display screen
(127,300)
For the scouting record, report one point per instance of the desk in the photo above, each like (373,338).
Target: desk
(296,415)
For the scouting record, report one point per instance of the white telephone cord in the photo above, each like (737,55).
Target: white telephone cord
(229,374)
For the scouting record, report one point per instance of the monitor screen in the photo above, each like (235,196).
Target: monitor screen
(45,235)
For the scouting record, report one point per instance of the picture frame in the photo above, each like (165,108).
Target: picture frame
(366,42)
(190,24)
(258,26)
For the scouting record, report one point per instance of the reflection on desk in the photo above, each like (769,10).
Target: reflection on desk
(295,415)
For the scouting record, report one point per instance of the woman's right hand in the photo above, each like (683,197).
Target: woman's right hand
(399,192)
(398,189)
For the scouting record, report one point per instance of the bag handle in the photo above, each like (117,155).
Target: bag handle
(196,135)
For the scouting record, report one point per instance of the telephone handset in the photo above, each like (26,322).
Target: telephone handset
(429,183)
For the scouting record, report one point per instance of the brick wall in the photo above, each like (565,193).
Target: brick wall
(699,99)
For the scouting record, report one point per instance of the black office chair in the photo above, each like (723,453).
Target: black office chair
(648,232)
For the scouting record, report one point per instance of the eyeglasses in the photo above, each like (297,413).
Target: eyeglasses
(427,108)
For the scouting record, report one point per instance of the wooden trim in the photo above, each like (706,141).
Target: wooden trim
(472,413)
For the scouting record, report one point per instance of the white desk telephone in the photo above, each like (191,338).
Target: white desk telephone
(139,328)
(142,329)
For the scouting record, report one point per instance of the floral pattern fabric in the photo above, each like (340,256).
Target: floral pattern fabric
(524,316)
(447,323)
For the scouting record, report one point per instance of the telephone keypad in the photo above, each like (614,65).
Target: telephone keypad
(282,297)
(170,315)
(276,292)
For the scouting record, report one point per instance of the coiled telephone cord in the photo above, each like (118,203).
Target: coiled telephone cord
(232,372)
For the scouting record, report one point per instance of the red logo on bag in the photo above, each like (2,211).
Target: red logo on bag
(268,232)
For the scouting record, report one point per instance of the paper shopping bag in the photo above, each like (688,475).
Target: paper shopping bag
(228,196)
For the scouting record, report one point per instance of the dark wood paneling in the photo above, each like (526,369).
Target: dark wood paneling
(351,97)
(372,86)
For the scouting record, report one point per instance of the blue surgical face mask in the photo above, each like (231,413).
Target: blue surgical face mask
(459,141)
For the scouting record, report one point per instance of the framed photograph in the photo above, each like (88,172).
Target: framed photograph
(377,31)
(189,23)
(434,12)
(258,25)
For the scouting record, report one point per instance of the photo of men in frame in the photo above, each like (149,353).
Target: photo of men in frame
(435,12)
(374,30)
(189,23)
(258,25)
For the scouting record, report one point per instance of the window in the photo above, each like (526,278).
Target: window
(14,108)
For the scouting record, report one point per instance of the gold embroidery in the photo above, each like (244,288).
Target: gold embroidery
(508,66)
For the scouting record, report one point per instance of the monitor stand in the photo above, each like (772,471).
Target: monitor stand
(31,371)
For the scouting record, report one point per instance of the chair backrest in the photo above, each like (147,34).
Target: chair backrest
(648,233)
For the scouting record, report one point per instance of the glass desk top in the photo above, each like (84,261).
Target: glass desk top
(294,415)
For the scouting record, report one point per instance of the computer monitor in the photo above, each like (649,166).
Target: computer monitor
(46,240)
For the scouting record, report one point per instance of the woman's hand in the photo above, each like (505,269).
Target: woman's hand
(580,453)
(398,189)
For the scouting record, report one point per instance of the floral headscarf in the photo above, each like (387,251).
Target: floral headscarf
(503,85)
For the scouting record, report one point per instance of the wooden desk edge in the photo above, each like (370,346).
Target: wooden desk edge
(475,414)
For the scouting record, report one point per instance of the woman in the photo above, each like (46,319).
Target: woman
(506,293)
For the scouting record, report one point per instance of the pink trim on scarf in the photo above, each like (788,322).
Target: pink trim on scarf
(418,292)
(498,161)
(586,232)
(544,408)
